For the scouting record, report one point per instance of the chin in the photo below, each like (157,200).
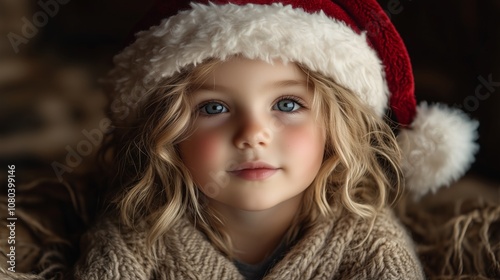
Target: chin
(259,202)
(251,202)
(255,206)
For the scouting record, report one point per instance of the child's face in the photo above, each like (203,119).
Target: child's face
(246,115)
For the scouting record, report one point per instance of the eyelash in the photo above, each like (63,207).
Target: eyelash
(198,109)
(284,97)
(295,99)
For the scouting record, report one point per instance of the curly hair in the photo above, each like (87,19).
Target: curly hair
(360,171)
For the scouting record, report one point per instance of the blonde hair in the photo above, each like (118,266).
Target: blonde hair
(360,165)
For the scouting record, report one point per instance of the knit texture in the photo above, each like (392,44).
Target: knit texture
(328,250)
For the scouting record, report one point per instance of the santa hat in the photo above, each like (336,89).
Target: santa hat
(351,41)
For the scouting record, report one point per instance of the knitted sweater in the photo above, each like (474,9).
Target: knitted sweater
(327,251)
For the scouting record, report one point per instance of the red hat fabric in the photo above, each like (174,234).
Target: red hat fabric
(352,42)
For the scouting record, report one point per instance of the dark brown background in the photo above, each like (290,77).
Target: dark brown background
(49,90)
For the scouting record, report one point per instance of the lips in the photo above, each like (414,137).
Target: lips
(253,165)
(254,170)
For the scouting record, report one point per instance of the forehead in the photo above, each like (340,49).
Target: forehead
(244,71)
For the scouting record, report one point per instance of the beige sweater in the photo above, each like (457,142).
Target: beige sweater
(327,251)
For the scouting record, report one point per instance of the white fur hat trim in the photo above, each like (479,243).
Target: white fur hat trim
(264,32)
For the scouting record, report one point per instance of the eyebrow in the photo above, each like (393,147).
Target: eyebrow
(287,83)
(274,85)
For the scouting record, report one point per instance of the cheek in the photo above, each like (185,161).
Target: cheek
(203,154)
(305,143)
(202,150)
(209,146)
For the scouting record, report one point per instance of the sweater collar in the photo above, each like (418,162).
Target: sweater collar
(191,252)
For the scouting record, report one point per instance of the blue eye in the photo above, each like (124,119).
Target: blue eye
(212,108)
(287,105)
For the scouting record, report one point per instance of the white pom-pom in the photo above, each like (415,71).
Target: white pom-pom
(438,148)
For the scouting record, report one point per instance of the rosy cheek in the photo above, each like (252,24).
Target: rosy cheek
(209,146)
(297,138)
(200,154)
(205,148)
(304,142)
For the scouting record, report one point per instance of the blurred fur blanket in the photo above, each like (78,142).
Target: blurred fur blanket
(457,231)
(457,235)
(51,217)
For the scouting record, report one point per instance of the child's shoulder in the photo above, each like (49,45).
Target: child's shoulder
(109,232)
(110,229)
(349,247)
(381,247)
(385,228)
(110,250)
(384,224)
(387,225)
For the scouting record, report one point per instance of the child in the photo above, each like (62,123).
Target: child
(251,143)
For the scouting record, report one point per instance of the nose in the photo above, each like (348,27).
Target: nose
(253,132)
